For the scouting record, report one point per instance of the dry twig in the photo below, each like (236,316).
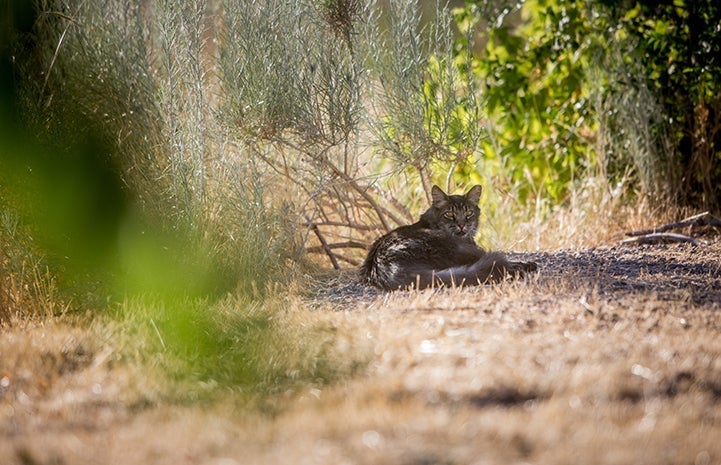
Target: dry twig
(660,238)
(702,219)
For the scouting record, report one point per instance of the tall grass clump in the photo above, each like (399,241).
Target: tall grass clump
(140,75)
(128,102)
(292,98)
(633,138)
(27,285)
(426,110)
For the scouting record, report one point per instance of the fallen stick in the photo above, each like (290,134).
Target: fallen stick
(660,238)
(702,219)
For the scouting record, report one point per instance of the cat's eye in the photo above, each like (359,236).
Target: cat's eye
(469,214)
(449,215)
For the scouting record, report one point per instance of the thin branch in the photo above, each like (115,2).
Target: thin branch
(52,61)
(382,213)
(359,227)
(702,219)
(338,245)
(660,238)
(401,208)
(324,244)
(425,181)
(71,21)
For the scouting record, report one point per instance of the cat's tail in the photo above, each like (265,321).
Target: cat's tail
(492,267)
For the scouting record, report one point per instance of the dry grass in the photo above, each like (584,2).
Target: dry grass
(609,355)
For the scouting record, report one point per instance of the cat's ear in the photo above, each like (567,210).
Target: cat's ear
(474,194)
(438,195)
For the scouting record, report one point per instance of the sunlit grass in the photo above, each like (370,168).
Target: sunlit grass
(249,349)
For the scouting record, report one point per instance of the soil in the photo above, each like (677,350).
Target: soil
(608,355)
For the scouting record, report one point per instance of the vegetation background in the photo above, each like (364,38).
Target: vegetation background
(178,172)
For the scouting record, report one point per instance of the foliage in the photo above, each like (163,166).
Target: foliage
(426,110)
(430,110)
(603,87)
(678,45)
(536,98)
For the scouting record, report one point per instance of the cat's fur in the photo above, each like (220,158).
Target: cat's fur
(438,250)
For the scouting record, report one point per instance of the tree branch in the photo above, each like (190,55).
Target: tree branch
(324,245)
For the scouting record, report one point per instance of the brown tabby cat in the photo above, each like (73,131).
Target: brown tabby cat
(438,250)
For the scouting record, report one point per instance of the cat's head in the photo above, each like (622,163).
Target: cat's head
(455,214)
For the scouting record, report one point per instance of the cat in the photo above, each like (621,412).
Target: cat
(438,250)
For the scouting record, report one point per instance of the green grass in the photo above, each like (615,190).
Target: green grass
(246,348)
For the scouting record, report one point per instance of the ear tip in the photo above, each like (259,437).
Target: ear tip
(437,194)
(474,193)
(436,190)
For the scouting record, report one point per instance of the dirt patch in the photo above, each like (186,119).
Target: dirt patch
(671,271)
(608,355)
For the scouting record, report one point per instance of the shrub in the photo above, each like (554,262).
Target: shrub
(607,87)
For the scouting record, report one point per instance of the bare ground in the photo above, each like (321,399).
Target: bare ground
(609,355)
